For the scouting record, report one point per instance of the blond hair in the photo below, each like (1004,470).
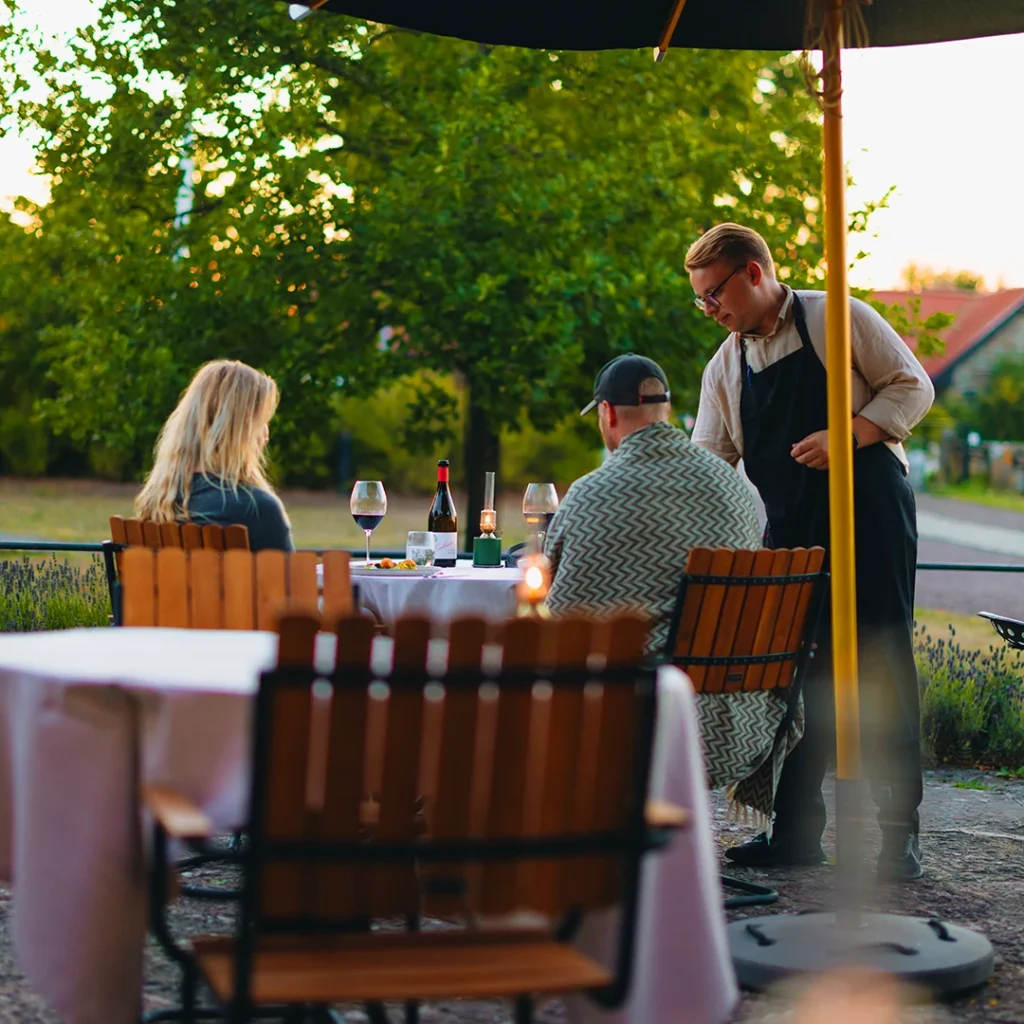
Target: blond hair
(218,429)
(731,242)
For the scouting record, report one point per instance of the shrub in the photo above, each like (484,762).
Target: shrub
(24,445)
(972,703)
(52,594)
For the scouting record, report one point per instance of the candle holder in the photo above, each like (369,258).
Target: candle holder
(487,547)
(532,591)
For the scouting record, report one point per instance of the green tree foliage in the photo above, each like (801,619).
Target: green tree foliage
(906,319)
(997,411)
(920,279)
(513,217)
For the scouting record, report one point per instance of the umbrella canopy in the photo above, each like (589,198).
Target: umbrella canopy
(739,25)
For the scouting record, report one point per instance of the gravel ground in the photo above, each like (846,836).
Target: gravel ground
(973,840)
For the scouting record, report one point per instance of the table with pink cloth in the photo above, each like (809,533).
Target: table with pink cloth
(87,714)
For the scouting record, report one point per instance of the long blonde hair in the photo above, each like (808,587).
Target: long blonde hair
(219,429)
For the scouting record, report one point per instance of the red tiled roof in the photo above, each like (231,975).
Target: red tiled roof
(977,314)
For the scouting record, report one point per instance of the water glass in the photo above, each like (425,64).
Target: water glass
(420,546)
(540,503)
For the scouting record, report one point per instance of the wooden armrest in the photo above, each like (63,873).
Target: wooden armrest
(179,817)
(662,814)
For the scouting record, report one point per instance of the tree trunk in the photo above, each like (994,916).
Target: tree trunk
(483,455)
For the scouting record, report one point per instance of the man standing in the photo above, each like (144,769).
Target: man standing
(763,400)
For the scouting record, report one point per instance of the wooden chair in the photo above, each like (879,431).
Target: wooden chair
(233,589)
(142,533)
(190,536)
(459,799)
(746,621)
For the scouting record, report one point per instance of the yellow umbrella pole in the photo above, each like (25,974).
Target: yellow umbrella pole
(840,484)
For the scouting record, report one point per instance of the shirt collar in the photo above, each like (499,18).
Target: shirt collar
(648,434)
(784,317)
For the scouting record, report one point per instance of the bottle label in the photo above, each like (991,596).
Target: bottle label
(446,546)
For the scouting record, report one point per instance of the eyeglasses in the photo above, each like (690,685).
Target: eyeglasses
(710,299)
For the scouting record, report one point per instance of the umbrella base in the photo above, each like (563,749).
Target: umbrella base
(943,958)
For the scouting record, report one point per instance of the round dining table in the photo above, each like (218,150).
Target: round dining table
(87,716)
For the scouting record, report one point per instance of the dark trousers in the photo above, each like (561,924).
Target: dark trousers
(886,554)
(890,739)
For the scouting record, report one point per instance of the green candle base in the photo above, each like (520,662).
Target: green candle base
(486,552)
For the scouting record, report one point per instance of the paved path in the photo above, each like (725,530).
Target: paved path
(958,531)
(971,526)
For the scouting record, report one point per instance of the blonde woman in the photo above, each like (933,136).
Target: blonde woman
(209,459)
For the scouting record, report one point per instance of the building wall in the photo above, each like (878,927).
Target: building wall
(972,374)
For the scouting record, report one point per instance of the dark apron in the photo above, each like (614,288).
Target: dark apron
(780,406)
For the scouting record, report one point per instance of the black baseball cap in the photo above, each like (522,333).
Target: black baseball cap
(618,382)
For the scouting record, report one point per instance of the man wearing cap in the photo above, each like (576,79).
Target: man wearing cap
(763,400)
(620,541)
(622,533)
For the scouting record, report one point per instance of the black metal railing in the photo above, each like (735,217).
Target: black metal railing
(969,567)
(98,548)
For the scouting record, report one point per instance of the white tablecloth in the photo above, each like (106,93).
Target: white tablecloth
(463,590)
(84,714)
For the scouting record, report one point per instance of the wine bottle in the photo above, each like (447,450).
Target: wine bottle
(443,520)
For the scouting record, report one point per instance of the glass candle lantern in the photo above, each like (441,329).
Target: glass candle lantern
(487,547)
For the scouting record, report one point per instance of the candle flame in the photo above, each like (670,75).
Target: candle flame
(534,577)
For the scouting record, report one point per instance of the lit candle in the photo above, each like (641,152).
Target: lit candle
(534,586)
(534,579)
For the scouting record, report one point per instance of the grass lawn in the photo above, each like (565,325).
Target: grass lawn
(81,509)
(971,632)
(977,491)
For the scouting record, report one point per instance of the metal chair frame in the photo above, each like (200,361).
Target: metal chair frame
(1011,630)
(753,893)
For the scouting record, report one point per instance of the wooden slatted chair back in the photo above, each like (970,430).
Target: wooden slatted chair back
(390,766)
(190,536)
(234,589)
(744,620)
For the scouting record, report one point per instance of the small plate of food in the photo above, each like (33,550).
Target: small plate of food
(393,567)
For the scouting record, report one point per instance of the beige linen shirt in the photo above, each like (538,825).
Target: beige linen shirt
(890,387)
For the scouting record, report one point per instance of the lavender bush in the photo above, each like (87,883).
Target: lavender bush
(972,702)
(52,594)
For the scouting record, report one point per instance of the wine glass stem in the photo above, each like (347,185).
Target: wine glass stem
(367,532)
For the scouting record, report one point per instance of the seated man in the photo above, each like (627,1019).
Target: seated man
(622,534)
(621,538)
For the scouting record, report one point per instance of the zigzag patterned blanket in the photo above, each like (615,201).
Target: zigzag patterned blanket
(620,540)
(744,749)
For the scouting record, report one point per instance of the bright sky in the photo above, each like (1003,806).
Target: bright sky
(943,124)
(940,122)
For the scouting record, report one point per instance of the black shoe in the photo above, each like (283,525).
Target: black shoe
(900,859)
(763,852)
